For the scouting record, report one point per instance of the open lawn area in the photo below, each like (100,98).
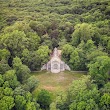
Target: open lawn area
(56,82)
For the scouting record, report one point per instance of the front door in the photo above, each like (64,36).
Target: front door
(55,67)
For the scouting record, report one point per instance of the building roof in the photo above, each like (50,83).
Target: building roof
(56,53)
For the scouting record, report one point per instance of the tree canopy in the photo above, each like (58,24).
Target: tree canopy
(31,29)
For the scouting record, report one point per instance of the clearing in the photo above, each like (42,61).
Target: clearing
(55,82)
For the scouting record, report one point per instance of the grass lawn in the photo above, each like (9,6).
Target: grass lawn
(55,82)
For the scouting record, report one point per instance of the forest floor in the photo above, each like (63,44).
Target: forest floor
(56,82)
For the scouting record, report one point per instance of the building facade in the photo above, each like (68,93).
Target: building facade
(55,65)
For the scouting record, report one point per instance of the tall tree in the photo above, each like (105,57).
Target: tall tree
(22,71)
(99,69)
(11,79)
(67,49)
(83,32)
(43,54)
(7,103)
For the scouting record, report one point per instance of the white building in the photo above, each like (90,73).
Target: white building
(55,65)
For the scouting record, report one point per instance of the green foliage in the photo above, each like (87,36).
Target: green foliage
(107,11)
(15,48)
(43,54)
(6,84)
(30,106)
(105,101)
(29,29)
(53,106)
(74,60)
(35,59)
(20,102)
(79,85)
(1,80)
(99,69)
(11,79)
(4,67)
(22,71)
(66,52)
(17,62)
(44,99)
(38,27)
(19,91)
(96,53)
(13,94)
(7,103)
(106,88)
(77,57)
(8,91)
(4,54)
(18,25)
(24,100)
(82,95)
(30,58)
(82,32)
(31,84)
(33,41)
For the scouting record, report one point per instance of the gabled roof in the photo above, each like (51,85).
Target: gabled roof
(56,53)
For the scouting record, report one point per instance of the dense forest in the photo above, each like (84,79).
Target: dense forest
(31,29)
